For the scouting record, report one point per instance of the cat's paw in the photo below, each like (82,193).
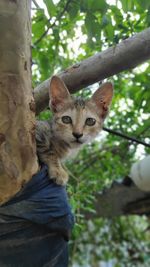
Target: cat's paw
(63,179)
(59,175)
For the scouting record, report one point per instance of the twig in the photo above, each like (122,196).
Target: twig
(35,3)
(52,25)
(126,137)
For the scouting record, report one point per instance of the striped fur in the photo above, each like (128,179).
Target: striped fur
(56,140)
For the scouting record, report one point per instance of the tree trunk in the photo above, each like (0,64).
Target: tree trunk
(18,160)
(125,55)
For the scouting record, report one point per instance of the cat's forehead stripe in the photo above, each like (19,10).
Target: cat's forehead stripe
(79,103)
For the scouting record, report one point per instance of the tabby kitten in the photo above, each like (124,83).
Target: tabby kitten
(75,122)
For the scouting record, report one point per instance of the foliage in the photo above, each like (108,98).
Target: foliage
(67,32)
(105,239)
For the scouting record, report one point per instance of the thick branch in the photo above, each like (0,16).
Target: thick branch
(17,147)
(121,199)
(125,55)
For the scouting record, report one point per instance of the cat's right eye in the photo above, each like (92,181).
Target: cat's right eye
(90,121)
(66,119)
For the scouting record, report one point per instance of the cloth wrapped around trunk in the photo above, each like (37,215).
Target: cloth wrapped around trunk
(35,225)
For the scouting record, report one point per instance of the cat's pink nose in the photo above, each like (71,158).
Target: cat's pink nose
(77,135)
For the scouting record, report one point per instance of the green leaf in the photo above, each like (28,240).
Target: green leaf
(38,28)
(109,29)
(51,8)
(92,25)
(145,4)
(148,17)
(94,5)
(116,14)
(127,5)
(73,9)
(105,21)
(98,5)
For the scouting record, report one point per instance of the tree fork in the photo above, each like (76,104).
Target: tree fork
(124,56)
(18,160)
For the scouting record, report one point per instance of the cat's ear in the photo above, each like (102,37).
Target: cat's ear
(58,94)
(103,97)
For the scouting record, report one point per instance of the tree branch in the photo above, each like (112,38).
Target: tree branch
(121,199)
(124,56)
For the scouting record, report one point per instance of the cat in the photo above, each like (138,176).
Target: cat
(75,122)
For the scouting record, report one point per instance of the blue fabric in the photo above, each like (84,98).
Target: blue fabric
(35,225)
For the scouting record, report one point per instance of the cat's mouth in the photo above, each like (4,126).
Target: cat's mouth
(77,142)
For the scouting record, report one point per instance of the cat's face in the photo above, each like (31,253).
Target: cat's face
(78,121)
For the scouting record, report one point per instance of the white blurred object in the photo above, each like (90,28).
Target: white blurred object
(140,174)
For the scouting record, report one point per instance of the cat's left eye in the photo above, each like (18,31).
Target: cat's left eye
(90,121)
(66,119)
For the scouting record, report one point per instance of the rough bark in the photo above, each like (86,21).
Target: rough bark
(121,199)
(18,160)
(124,56)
